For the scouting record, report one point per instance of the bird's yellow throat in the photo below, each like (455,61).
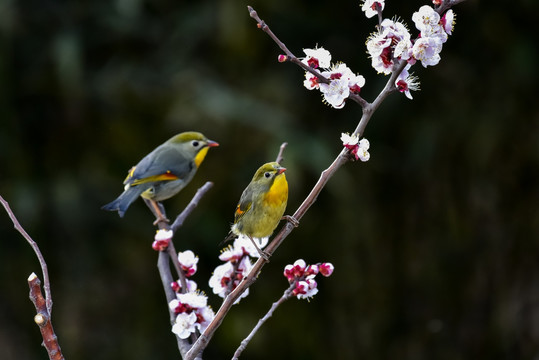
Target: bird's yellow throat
(201,155)
(278,192)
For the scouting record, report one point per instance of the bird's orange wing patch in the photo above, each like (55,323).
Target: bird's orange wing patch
(238,214)
(239,211)
(167,176)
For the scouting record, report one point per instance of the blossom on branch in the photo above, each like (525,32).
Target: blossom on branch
(184,325)
(192,313)
(190,284)
(369,7)
(427,50)
(226,277)
(358,148)
(448,21)
(305,289)
(427,21)
(326,269)
(188,261)
(162,239)
(295,270)
(317,58)
(392,42)
(434,31)
(343,81)
(406,82)
(302,276)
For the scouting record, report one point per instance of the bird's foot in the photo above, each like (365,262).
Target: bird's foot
(161,219)
(292,220)
(261,252)
(264,255)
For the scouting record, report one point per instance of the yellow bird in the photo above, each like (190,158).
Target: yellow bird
(262,204)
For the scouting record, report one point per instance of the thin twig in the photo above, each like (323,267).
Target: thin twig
(286,295)
(293,59)
(289,55)
(173,256)
(191,206)
(280,157)
(235,267)
(447,4)
(43,319)
(379,13)
(33,244)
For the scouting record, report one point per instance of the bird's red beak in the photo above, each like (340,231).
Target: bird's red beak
(281,170)
(212,143)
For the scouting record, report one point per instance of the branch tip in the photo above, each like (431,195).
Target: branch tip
(252,12)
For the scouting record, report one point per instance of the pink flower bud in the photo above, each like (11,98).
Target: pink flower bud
(175,286)
(301,288)
(289,272)
(282,58)
(326,269)
(160,245)
(189,271)
(311,270)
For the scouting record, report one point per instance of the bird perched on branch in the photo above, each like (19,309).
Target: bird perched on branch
(164,172)
(262,205)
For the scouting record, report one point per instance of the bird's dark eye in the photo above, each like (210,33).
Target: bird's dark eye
(267,175)
(195,143)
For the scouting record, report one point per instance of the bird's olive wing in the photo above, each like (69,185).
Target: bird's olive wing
(165,163)
(244,205)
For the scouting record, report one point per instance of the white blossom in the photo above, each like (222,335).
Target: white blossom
(369,7)
(184,325)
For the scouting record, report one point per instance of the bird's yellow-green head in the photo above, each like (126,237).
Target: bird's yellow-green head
(194,144)
(267,173)
(270,178)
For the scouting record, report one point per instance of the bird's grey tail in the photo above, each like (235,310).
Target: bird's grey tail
(124,200)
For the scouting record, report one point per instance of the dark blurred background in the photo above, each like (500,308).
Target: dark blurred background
(435,240)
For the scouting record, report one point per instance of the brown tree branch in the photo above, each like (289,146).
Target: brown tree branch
(43,319)
(33,244)
(368,110)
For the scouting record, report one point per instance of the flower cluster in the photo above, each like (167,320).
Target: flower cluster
(303,277)
(192,313)
(342,80)
(434,31)
(226,277)
(190,306)
(162,239)
(358,148)
(392,43)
